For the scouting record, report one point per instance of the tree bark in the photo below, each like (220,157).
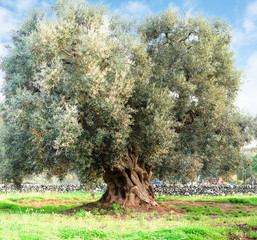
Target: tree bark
(128,184)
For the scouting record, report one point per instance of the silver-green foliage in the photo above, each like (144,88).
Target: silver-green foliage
(83,86)
(78,95)
(192,58)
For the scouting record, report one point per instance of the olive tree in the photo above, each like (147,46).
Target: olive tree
(78,98)
(86,91)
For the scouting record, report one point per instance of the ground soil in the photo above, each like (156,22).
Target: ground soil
(165,206)
(212,204)
(245,228)
(48,202)
(153,211)
(51,202)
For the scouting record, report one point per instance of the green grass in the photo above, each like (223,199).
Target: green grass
(48,226)
(16,197)
(204,210)
(207,209)
(14,208)
(8,202)
(245,199)
(187,232)
(27,223)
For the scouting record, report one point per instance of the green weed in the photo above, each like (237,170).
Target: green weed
(81,233)
(245,199)
(95,211)
(116,209)
(204,210)
(102,211)
(128,210)
(83,213)
(237,206)
(193,217)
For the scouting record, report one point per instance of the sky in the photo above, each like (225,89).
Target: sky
(241,15)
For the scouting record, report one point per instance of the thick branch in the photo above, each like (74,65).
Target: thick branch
(185,121)
(185,38)
(69,54)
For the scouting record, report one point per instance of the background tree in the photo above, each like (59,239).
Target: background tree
(84,92)
(247,166)
(254,169)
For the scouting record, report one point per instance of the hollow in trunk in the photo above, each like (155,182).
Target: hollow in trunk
(129,184)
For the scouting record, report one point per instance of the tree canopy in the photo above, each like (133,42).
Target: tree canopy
(192,58)
(90,92)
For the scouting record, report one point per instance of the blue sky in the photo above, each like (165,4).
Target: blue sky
(240,14)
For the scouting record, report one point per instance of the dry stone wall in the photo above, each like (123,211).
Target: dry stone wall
(186,190)
(213,190)
(50,188)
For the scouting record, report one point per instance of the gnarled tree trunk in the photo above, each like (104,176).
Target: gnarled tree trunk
(129,184)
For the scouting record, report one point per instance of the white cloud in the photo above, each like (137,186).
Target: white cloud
(237,37)
(19,6)
(248,25)
(246,33)
(247,97)
(243,39)
(23,6)
(189,6)
(7,23)
(12,12)
(250,18)
(3,50)
(173,6)
(44,5)
(134,9)
(251,9)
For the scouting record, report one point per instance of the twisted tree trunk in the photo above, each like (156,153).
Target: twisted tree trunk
(129,184)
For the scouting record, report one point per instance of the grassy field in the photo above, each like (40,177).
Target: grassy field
(44,216)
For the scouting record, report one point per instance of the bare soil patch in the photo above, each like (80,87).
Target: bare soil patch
(153,211)
(166,207)
(212,204)
(48,202)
